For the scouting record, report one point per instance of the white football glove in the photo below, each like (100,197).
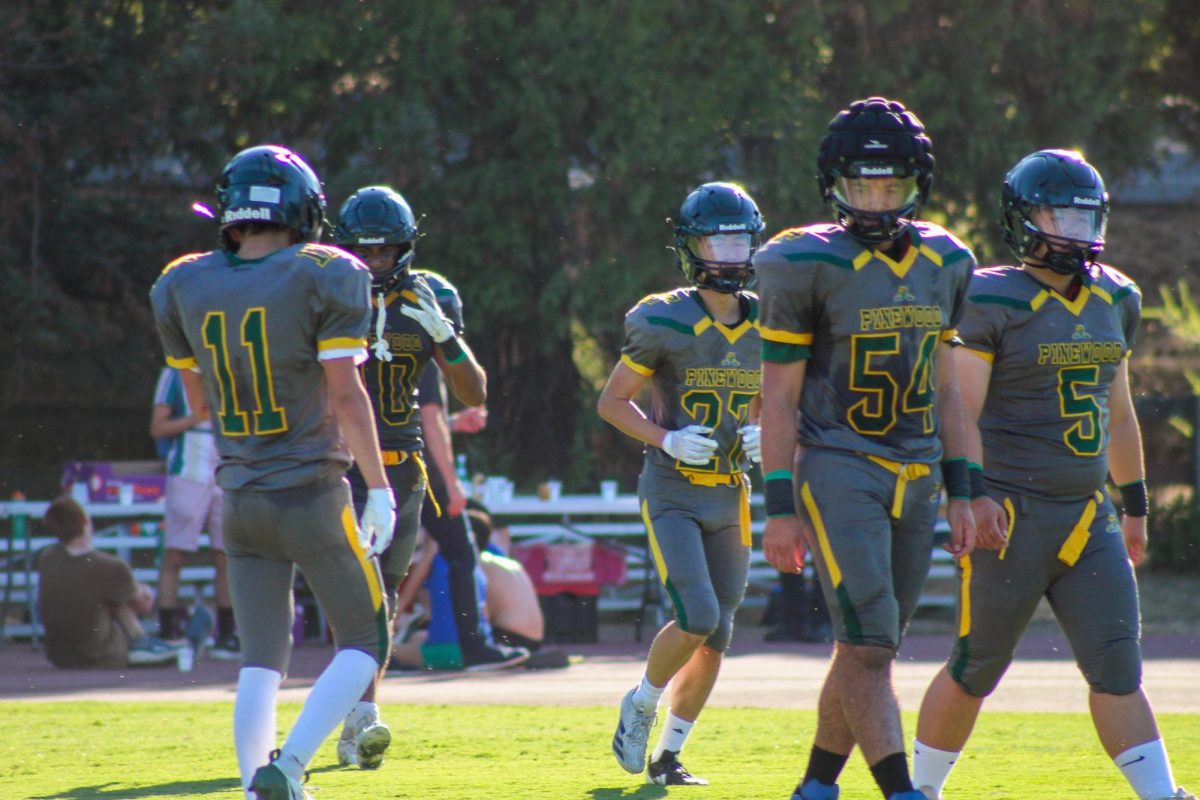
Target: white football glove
(690,445)
(378,522)
(429,314)
(752,442)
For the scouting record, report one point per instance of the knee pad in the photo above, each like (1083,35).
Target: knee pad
(719,639)
(1119,669)
(698,618)
(980,680)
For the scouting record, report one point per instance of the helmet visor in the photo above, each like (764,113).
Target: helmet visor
(723,248)
(876,194)
(1076,224)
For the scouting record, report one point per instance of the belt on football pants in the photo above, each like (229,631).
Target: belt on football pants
(392,458)
(904,473)
(712,478)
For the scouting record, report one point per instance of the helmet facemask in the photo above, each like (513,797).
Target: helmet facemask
(387,278)
(876,202)
(721,262)
(1066,240)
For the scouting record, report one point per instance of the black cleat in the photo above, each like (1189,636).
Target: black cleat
(667,771)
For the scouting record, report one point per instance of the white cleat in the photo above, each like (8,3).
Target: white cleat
(373,742)
(347,745)
(633,731)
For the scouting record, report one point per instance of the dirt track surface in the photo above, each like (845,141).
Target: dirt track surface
(756,673)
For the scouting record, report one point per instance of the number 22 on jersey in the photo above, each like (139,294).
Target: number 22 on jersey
(269,417)
(706,407)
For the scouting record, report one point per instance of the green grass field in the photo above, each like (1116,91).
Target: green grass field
(119,751)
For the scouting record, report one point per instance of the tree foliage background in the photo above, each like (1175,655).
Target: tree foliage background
(544,144)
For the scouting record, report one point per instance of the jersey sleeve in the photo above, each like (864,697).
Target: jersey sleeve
(643,350)
(176,348)
(980,325)
(965,264)
(785,290)
(1131,316)
(343,310)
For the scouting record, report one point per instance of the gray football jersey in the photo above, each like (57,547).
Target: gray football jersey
(394,386)
(869,328)
(1045,420)
(702,372)
(256,331)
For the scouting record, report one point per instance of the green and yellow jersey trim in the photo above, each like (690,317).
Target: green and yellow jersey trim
(341,343)
(636,367)
(182,363)
(986,356)
(785,347)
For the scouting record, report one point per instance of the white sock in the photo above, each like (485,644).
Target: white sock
(331,698)
(254,719)
(931,766)
(1147,770)
(647,694)
(674,734)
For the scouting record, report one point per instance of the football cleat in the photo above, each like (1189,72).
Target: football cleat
(347,745)
(633,731)
(272,783)
(373,742)
(813,789)
(1181,794)
(667,771)
(915,794)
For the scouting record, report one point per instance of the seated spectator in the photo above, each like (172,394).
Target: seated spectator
(512,603)
(89,602)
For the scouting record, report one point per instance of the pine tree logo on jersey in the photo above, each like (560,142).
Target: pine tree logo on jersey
(1080,334)
(730,360)
(903,295)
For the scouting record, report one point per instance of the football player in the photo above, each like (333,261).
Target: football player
(698,347)
(857,322)
(1045,379)
(267,332)
(418,319)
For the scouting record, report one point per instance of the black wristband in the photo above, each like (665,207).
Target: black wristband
(452,349)
(954,477)
(1134,499)
(975,475)
(778,497)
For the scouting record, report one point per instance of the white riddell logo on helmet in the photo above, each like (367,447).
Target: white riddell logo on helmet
(868,171)
(371,240)
(1086,201)
(239,214)
(874,144)
(741,226)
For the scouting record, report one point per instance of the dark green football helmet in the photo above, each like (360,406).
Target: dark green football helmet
(1057,199)
(875,166)
(270,184)
(718,229)
(379,216)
